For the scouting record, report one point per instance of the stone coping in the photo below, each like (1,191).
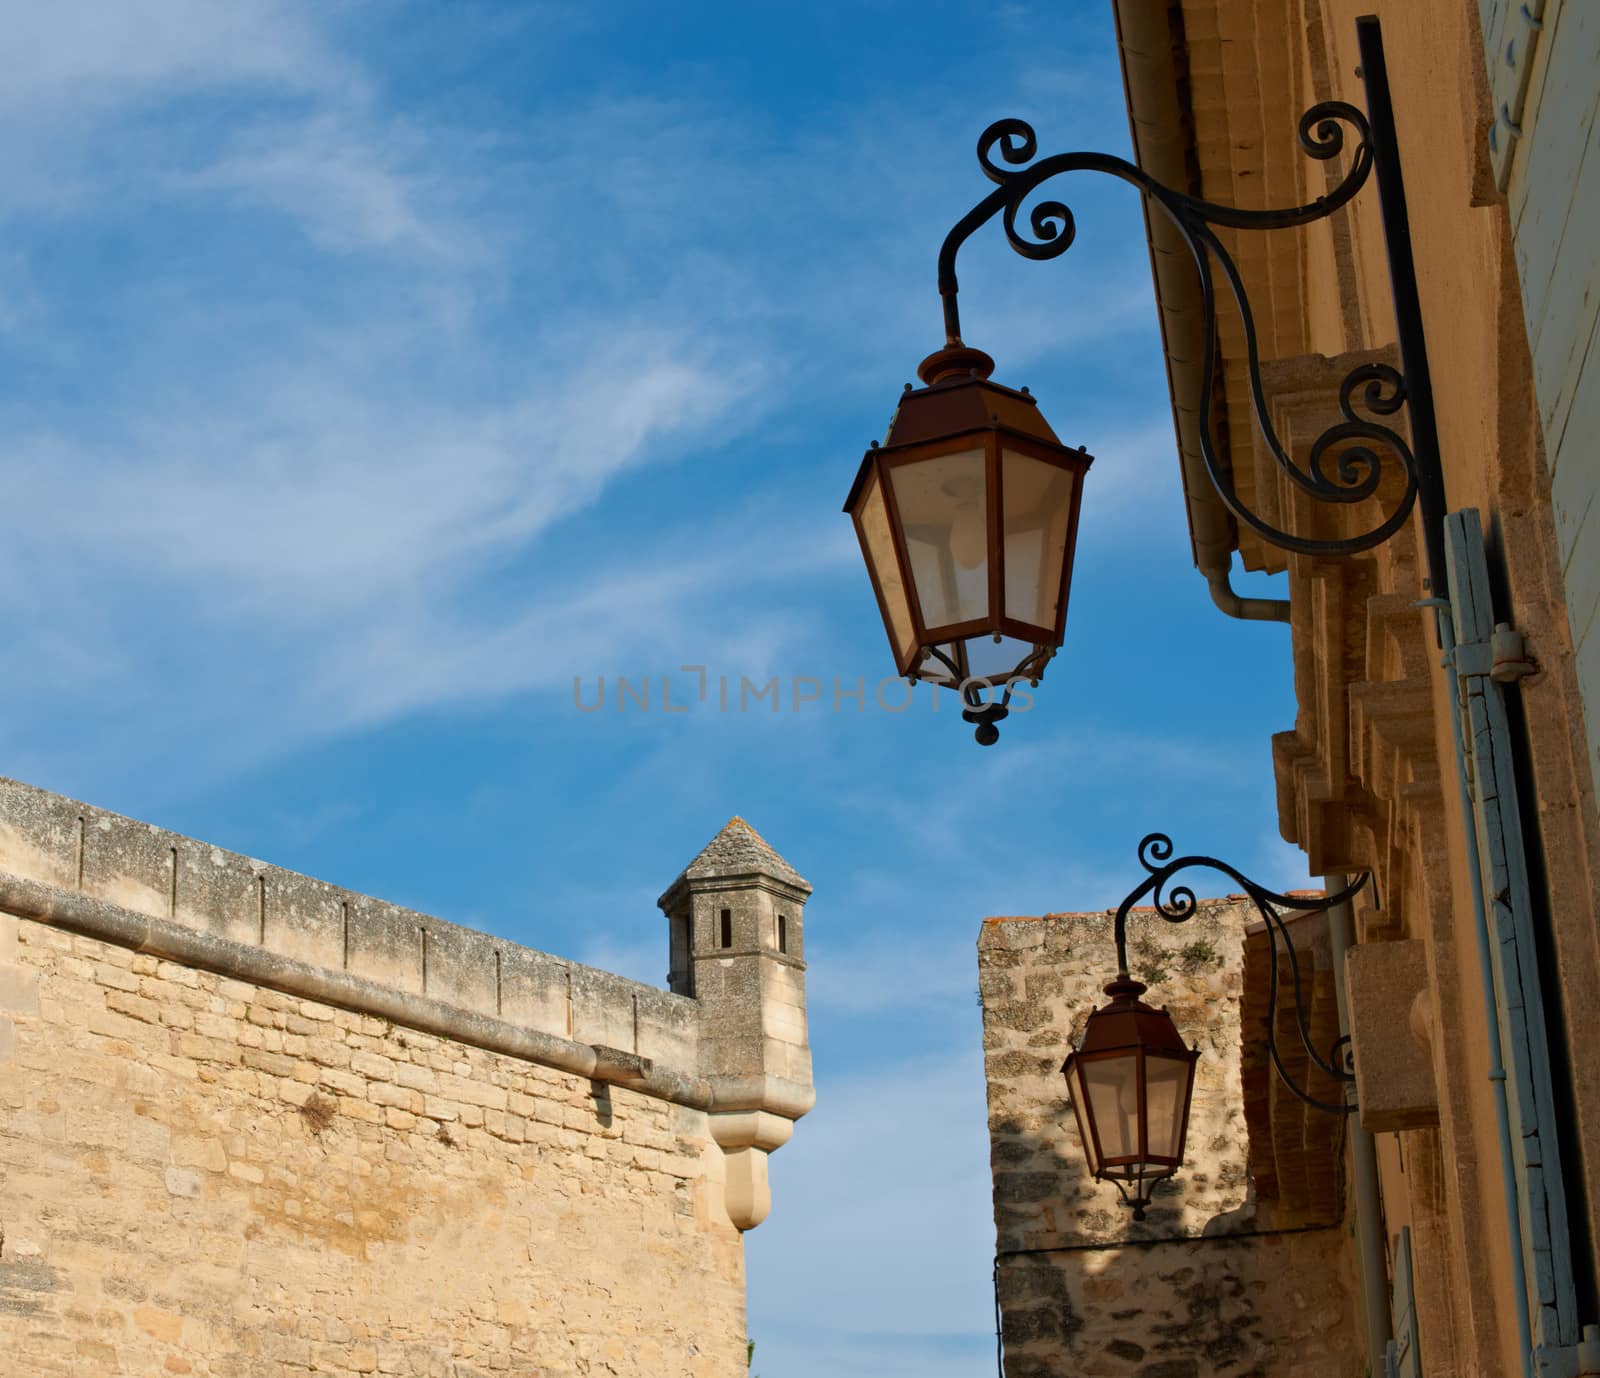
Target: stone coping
(62,860)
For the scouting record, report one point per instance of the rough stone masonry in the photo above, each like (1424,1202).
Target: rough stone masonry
(1216,1281)
(252,1124)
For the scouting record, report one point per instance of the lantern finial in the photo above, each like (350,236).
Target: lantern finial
(955,360)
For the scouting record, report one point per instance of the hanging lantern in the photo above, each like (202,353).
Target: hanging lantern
(1130,1080)
(967,516)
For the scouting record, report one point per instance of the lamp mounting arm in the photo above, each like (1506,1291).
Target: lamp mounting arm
(1351,458)
(1179,904)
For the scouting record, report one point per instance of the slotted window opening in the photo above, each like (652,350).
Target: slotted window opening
(727,928)
(783,933)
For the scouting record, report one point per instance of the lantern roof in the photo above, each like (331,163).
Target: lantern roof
(1127,1022)
(959,396)
(968,401)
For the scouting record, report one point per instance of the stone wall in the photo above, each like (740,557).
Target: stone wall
(202,1176)
(253,1125)
(1084,1288)
(296,920)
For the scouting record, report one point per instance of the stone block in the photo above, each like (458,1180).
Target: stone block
(19,990)
(1394,1068)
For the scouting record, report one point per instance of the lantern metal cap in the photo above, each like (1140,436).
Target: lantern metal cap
(1127,1022)
(961,396)
(959,401)
(953,361)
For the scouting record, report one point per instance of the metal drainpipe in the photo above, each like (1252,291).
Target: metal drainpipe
(1491,1004)
(1245,609)
(1364,1166)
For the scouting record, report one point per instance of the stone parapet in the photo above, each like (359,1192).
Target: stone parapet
(201,1174)
(222,908)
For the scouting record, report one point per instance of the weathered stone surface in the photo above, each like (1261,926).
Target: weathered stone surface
(573,1237)
(1394,1071)
(739,850)
(1179,1304)
(252,1124)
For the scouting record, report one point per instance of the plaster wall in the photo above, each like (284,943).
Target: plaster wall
(1483,346)
(1545,145)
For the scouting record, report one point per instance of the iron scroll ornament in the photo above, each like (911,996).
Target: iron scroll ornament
(1348,461)
(1179,904)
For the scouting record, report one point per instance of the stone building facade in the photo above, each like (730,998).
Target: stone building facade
(252,1124)
(1445,727)
(1196,1289)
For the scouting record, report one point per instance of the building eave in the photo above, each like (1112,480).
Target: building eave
(1151,50)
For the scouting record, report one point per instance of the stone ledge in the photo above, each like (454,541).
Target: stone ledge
(122,927)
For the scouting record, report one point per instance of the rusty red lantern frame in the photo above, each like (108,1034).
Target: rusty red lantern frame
(960,411)
(1129,1028)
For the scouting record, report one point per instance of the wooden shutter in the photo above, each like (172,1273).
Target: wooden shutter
(1508,900)
(1403,1359)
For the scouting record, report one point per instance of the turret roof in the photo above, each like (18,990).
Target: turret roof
(739,850)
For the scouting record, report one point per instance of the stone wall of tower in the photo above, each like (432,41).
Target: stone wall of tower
(218,1158)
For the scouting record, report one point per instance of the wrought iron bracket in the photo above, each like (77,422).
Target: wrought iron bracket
(1179,904)
(1352,457)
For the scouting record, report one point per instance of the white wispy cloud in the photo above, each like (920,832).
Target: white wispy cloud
(349,182)
(301,493)
(87,53)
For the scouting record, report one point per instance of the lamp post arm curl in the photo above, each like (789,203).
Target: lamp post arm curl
(1349,460)
(1179,904)
(1321,136)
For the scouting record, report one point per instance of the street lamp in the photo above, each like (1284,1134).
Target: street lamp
(1131,1076)
(1130,1079)
(967,516)
(944,543)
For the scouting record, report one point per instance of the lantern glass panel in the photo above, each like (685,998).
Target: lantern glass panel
(1090,1148)
(1036,513)
(1112,1084)
(944,514)
(878,543)
(1166,1096)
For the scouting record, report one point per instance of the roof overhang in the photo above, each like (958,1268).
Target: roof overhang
(1195,132)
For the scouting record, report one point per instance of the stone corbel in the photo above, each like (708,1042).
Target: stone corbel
(1302,397)
(746,1137)
(1391,1034)
(1393,744)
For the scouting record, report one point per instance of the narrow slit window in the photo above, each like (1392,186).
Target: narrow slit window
(783,933)
(727,928)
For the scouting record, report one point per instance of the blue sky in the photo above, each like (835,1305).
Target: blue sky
(369,372)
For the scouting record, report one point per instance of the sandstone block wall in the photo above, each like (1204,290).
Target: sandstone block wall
(201,1176)
(1083,1288)
(254,1125)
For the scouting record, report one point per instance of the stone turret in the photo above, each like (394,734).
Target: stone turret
(738,947)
